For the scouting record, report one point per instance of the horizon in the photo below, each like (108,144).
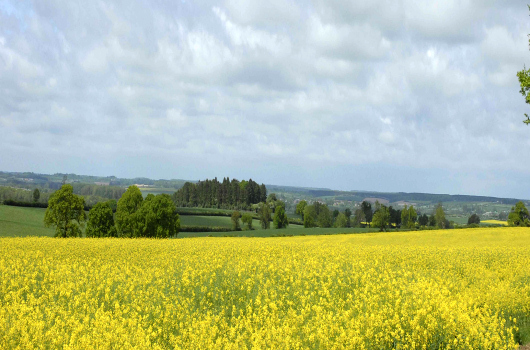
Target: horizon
(266,184)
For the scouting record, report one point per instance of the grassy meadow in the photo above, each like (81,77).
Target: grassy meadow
(18,221)
(453,289)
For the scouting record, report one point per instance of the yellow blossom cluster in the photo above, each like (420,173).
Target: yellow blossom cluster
(458,289)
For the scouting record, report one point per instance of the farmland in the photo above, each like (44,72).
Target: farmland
(459,289)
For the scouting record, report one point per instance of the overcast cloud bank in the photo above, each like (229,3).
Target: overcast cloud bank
(381,95)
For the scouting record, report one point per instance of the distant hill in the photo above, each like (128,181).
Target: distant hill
(392,197)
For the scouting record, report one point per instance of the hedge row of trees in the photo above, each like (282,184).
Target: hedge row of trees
(214,194)
(154,216)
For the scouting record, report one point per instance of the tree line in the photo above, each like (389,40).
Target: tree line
(228,194)
(154,216)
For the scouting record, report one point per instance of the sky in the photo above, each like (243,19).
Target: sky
(399,96)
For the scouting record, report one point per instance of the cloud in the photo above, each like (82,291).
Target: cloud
(196,89)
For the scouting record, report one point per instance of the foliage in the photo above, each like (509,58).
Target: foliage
(341,221)
(265,216)
(66,212)
(366,207)
(524,82)
(300,207)
(408,217)
(235,220)
(423,220)
(381,218)
(358,218)
(157,217)
(247,220)
(473,219)
(519,215)
(439,216)
(280,218)
(309,216)
(214,194)
(128,205)
(36,195)
(347,213)
(324,218)
(101,221)
(407,291)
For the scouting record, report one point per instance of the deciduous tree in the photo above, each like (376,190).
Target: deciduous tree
(66,212)
(519,215)
(128,205)
(280,218)
(101,221)
(157,217)
(235,220)
(247,220)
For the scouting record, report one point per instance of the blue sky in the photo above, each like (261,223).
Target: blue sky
(402,95)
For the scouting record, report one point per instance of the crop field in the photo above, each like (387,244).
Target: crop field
(494,222)
(219,221)
(462,289)
(17,221)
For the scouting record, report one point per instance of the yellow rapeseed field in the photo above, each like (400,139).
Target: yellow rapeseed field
(454,289)
(495,222)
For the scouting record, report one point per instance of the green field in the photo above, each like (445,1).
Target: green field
(17,221)
(156,190)
(216,221)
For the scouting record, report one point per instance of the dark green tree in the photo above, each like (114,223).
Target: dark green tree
(235,220)
(324,217)
(280,218)
(473,219)
(101,221)
(66,212)
(423,220)
(126,221)
(36,195)
(367,210)
(157,217)
(347,213)
(519,215)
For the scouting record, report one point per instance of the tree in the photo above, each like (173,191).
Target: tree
(358,218)
(381,217)
(324,218)
(347,213)
(309,216)
(247,220)
(423,220)
(280,218)
(367,210)
(519,215)
(439,216)
(408,217)
(265,216)
(128,205)
(524,81)
(300,207)
(101,221)
(432,220)
(235,220)
(341,221)
(157,217)
(36,195)
(66,211)
(473,219)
